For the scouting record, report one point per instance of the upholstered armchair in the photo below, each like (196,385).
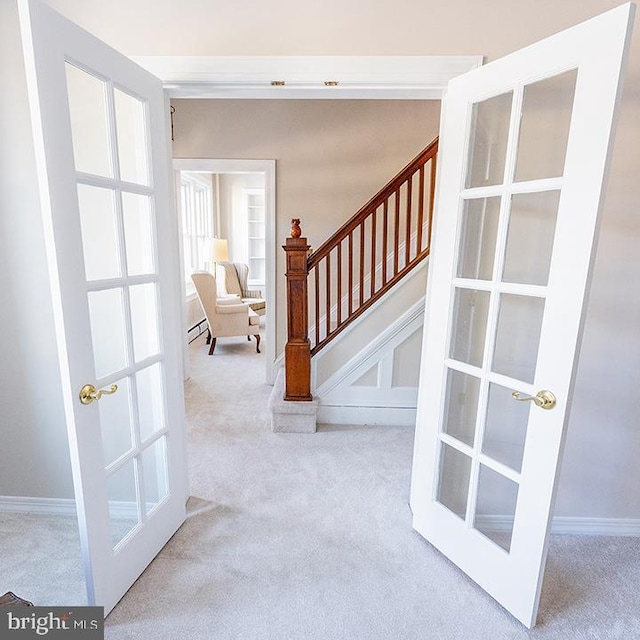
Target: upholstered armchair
(225,317)
(232,280)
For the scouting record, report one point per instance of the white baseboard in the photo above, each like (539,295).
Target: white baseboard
(561,525)
(384,416)
(62,507)
(40,506)
(569,525)
(596,526)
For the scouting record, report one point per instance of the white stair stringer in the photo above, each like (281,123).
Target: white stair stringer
(371,388)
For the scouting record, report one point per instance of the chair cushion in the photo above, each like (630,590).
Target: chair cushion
(254,318)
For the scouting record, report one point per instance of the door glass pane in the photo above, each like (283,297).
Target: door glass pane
(150,400)
(132,138)
(461,406)
(469,325)
(89,124)
(453,484)
(506,427)
(488,141)
(107,331)
(544,127)
(518,336)
(478,238)
(154,464)
(138,233)
(144,320)
(99,228)
(123,502)
(532,227)
(115,422)
(496,506)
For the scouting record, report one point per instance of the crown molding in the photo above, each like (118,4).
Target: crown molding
(306,77)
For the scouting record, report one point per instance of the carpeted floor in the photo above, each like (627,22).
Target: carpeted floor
(40,559)
(308,537)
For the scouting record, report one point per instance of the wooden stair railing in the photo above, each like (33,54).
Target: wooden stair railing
(387,238)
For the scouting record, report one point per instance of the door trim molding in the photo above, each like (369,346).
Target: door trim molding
(308,77)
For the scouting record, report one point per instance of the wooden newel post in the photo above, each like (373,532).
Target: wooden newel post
(297,351)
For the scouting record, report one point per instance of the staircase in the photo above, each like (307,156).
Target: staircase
(354,269)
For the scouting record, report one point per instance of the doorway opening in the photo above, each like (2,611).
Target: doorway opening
(231,201)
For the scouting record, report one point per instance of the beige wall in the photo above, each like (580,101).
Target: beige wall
(34,454)
(331,155)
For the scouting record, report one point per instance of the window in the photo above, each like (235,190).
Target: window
(196,204)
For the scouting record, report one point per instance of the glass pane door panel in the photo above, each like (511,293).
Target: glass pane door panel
(116,422)
(453,484)
(106,315)
(150,400)
(123,501)
(154,464)
(89,122)
(496,506)
(132,138)
(144,320)
(461,406)
(544,127)
(488,141)
(518,336)
(478,238)
(138,233)
(99,227)
(469,325)
(532,227)
(505,429)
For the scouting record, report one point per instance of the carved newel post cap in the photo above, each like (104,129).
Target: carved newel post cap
(296,232)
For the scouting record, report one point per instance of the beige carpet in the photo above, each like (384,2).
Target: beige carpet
(308,537)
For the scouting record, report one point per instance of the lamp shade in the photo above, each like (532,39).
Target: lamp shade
(219,250)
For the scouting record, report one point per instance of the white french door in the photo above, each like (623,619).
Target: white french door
(100,135)
(524,148)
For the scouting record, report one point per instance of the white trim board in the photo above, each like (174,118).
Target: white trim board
(367,416)
(40,506)
(406,324)
(562,525)
(304,77)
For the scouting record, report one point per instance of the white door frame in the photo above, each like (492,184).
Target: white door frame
(268,169)
(308,77)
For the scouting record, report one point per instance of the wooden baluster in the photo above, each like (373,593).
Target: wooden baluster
(396,234)
(328,295)
(373,252)
(420,211)
(297,351)
(316,272)
(350,274)
(385,229)
(432,196)
(407,245)
(361,265)
(339,282)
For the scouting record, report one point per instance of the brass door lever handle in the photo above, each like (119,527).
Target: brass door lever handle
(89,393)
(543,399)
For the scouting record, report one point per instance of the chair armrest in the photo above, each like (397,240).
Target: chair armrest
(227,309)
(252,293)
